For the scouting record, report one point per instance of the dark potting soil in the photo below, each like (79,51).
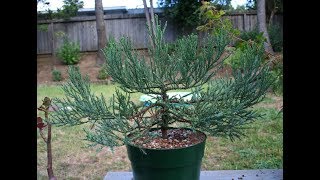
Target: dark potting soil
(177,138)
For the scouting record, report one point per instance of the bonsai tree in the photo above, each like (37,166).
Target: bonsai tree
(219,106)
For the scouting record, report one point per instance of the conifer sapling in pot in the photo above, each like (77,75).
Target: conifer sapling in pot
(165,139)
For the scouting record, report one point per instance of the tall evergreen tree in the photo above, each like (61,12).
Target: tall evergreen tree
(262,26)
(101,31)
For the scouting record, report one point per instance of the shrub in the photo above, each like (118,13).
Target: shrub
(275,37)
(69,52)
(171,47)
(277,73)
(246,35)
(277,69)
(234,60)
(103,74)
(56,75)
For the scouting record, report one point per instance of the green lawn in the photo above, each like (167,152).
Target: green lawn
(262,148)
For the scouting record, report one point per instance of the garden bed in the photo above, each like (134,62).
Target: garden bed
(87,66)
(45,66)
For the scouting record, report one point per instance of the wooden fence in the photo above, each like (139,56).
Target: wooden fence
(82,29)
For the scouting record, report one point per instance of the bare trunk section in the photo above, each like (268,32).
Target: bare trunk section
(271,17)
(49,152)
(164,132)
(165,116)
(101,31)
(146,11)
(49,155)
(261,15)
(152,18)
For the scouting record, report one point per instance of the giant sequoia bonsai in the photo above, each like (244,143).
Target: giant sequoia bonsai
(217,105)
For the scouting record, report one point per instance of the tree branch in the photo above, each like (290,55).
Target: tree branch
(43,137)
(143,111)
(179,118)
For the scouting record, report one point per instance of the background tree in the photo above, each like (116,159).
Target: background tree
(222,4)
(251,4)
(211,18)
(240,9)
(152,16)
(69,9)
(185,13)
(261,15)
(101,31)
(272,7)
(150,20)
(182,13)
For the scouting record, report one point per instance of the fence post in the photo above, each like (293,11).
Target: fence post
(52,38)
(53,54)
(245,22)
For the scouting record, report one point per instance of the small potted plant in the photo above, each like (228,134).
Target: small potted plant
(165,139)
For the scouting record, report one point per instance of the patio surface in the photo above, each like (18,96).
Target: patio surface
(258,174)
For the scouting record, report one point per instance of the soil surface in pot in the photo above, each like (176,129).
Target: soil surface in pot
(177,138)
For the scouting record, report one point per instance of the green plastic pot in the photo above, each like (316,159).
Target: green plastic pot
(166,164)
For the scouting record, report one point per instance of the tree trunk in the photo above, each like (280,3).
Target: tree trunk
(49,151)
(101,31)
(152,17)
(146,11)
(271,17)
(261,14)
(49,155)
(164,117)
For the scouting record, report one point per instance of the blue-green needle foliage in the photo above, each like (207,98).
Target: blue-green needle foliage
(221,109)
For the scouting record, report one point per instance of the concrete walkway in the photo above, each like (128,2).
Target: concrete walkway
(258,174)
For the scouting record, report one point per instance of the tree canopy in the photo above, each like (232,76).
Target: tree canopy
(68,10)
(270,5)
(185,13)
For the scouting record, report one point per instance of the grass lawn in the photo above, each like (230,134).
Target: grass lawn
(262,148)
